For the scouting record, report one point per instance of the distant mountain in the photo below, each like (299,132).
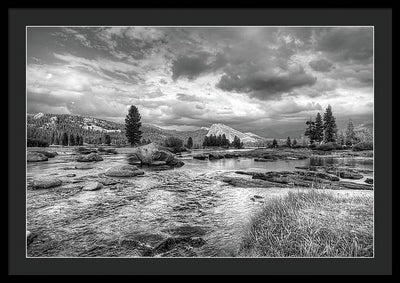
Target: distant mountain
(230,133)
(44,125)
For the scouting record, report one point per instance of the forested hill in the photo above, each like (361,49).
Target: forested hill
(50,127)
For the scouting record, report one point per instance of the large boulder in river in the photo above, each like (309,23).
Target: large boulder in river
(35,157)
(45,183)
(89,158)
(151,154)
(47,153)
(124,171)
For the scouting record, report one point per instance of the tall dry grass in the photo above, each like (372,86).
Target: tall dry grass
(311,224)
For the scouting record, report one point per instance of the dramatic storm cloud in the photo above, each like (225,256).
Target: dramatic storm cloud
(188,77)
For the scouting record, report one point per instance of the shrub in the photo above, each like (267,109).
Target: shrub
(36,143)
(328,146)
(363,146)
(312,146)
(173,142)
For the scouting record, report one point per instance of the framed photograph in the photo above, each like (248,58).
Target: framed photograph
(200,141)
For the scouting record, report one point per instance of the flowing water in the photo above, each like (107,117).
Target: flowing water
(178,202)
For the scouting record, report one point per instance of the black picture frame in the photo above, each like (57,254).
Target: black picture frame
(381,19)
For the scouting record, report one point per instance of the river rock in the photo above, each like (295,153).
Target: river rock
(149,153)
(244,173)
(107,181)
(200,156)
(89,158)
(176,163)
(124,171)
(47,153)
(134,160)
(35,157)
(93,186)
(154,155)
(112,151)
(350,175)
(162,155)
(158,163)
(213,156)
(45,183)
(85,150)
(369,181)
(83,167)
(231,155)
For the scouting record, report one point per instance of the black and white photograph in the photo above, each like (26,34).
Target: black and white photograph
(199,142)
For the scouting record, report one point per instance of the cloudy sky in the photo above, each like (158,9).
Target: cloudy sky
(250,78)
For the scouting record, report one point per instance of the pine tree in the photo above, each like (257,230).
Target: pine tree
(206,141)
(341,138)
(64,140)
(237,143)
(132,126)
(294,142)
(107,139)
(219,140)
(319,129)
(52,141)
(274,143)
(189,143)
(310,131)
(330,129)
(288,142)
(225,141)
(71,140)
(350,134)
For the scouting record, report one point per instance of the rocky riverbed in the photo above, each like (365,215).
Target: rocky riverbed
(149,202)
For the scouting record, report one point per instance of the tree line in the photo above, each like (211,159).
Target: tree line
(324,130)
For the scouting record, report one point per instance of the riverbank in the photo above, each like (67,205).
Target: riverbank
(311,223)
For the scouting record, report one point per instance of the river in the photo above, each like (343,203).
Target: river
(185,201)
